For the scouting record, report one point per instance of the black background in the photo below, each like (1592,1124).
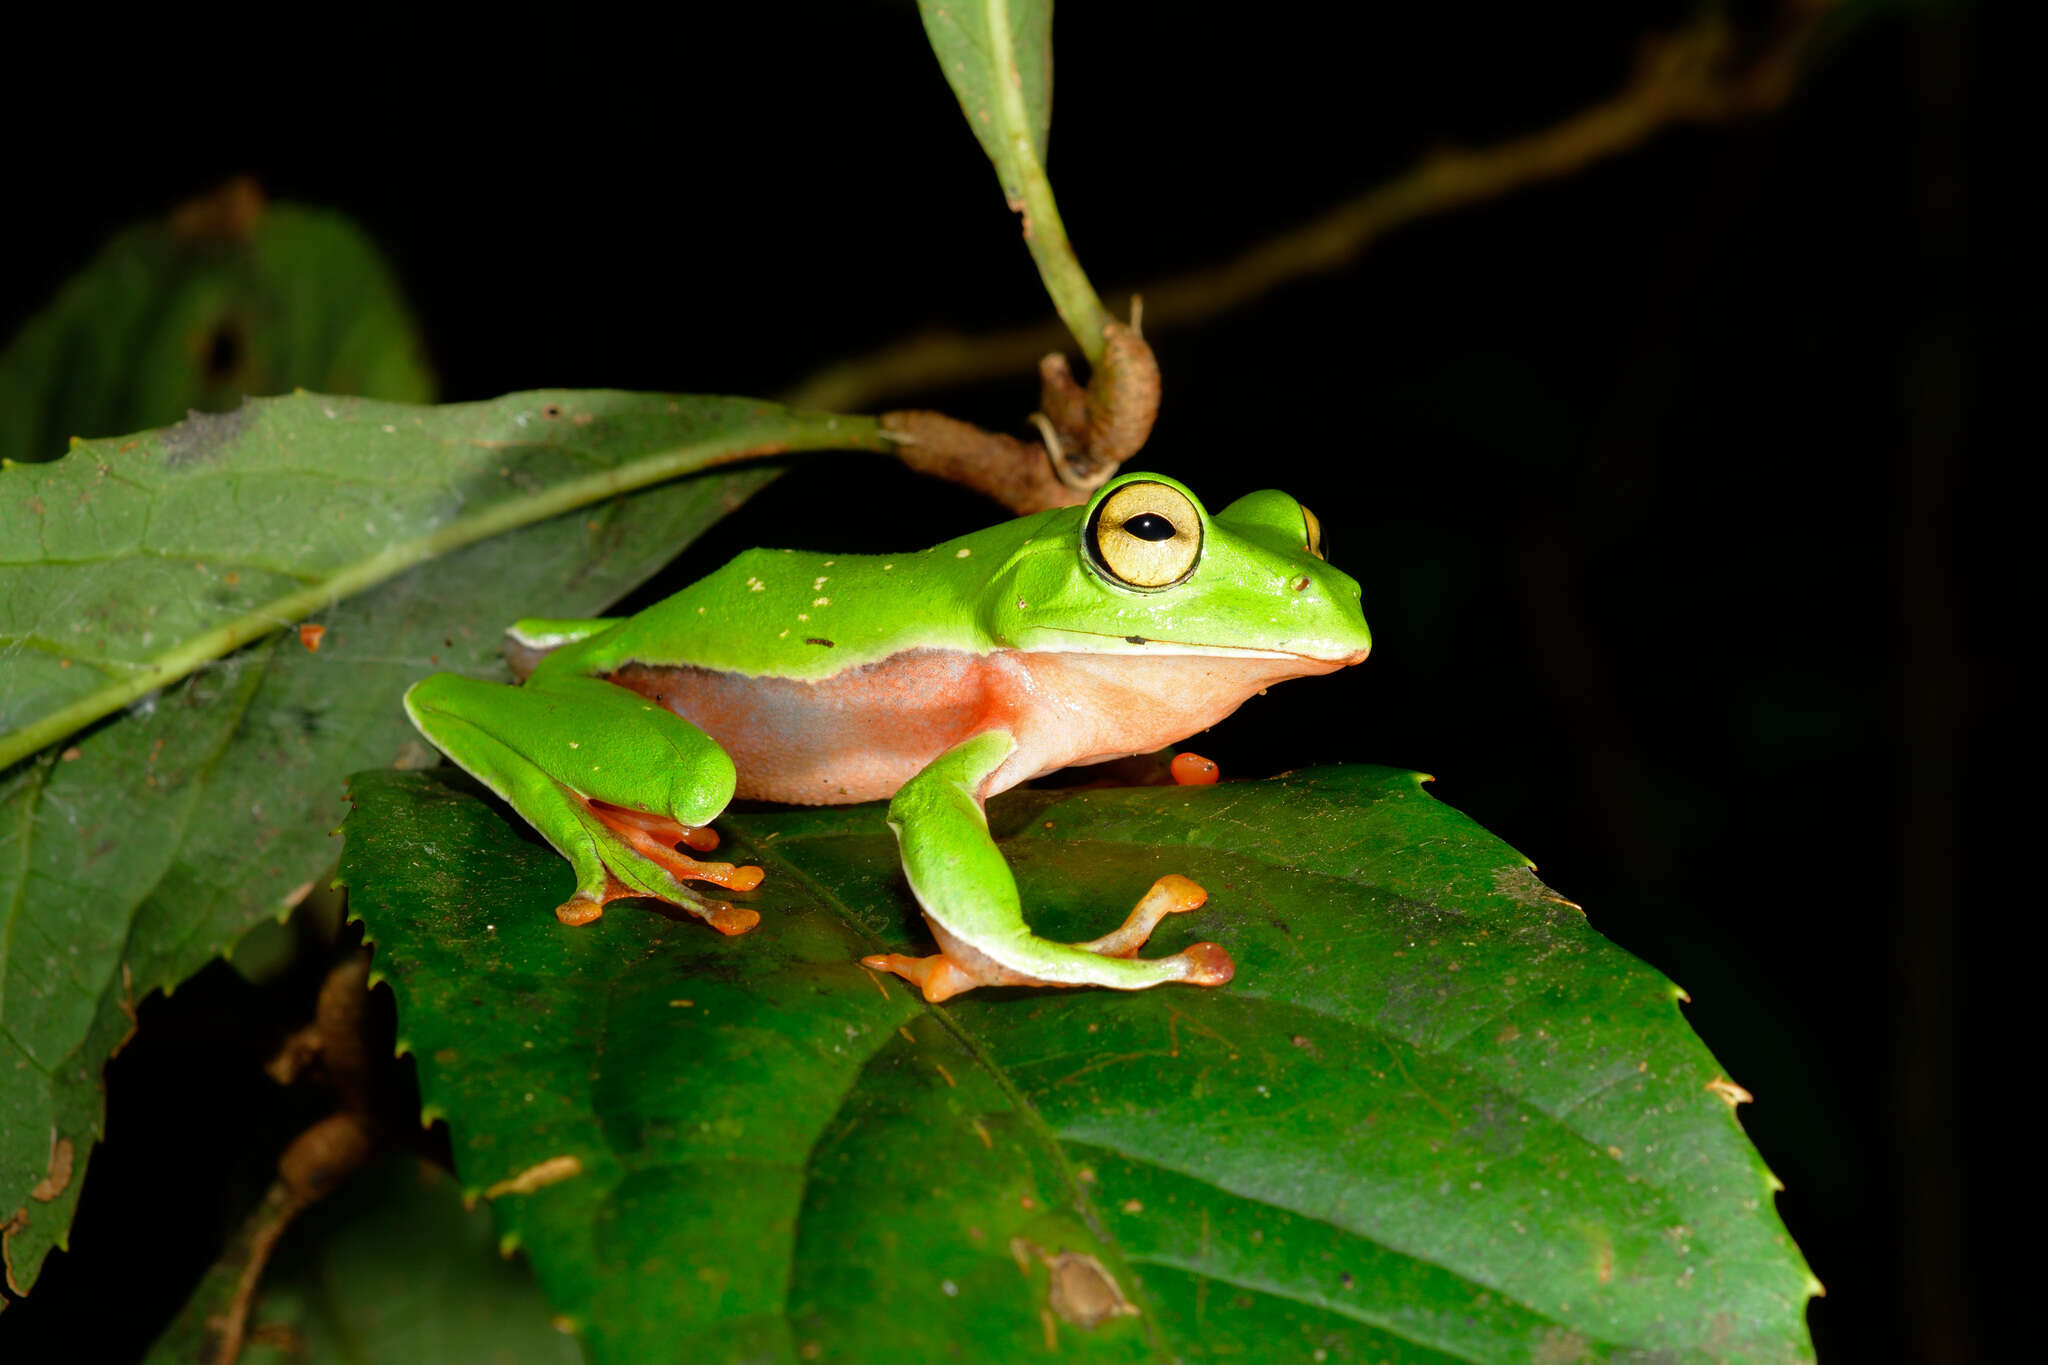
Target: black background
(1670,483)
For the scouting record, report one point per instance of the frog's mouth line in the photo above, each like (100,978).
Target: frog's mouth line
(1219,651)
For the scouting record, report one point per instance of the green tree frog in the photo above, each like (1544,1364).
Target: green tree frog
(937,679)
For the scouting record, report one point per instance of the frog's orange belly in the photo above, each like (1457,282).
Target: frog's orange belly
(862,733)
(855,736)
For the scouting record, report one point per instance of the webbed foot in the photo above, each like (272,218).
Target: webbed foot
(957,968)
(654,837)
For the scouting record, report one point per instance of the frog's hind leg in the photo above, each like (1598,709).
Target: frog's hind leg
(970,899)
(616,851)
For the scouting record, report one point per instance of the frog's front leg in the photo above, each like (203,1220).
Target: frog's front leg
(612,780)
(970,899)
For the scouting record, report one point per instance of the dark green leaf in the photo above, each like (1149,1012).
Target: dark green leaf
(988,47)
(390,1268)
(225,298)
(1435,1117)
(155,840)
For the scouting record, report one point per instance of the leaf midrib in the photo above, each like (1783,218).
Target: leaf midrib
(792,432)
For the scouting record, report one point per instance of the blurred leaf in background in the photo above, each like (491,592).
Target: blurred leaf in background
(394,1268)
(228,296)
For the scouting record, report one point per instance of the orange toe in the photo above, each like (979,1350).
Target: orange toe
(729,919)
(1209,964)
(577,912)
(938,976)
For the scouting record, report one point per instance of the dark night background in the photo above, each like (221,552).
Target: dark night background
(1668,482)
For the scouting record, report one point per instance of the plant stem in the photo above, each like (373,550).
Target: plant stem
(1031,195)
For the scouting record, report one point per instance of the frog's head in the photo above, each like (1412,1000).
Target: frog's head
(1143,568)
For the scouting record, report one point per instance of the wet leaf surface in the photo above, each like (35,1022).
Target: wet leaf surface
(1435,1117)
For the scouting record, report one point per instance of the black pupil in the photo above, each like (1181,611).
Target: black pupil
(1150,526)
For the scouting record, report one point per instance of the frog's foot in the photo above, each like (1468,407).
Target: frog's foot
(946,974)
(958,967)
(651,839)
(581,908)
(654,837)
(1172,894)
(703,838)
(938,976)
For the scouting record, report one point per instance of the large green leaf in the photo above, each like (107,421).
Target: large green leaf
(153,841)
(997,56)
(225,298)
(1435,1117)
(131,562)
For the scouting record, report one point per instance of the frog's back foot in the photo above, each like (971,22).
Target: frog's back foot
(1172,894)
(959,967)
(586,906)
(943,975)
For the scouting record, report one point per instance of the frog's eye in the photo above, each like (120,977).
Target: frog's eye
(1313,525)
(1146,535)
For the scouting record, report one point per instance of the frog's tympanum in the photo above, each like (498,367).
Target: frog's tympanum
(937,679)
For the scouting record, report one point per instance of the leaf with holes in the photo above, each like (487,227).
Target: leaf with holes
(1435,1117)
(148,845)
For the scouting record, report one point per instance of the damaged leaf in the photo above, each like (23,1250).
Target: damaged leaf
(134,561)
(1434,1117)
(152,841)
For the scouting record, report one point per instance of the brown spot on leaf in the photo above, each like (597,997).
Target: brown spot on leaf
(59,1177)
(550,1172)
(7,1231)
(1084,1293)
(229,213)
(1729,1091)
(310,635)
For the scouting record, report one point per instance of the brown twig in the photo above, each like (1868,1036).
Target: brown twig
(319,1159)
(1701,74)
(1084,434)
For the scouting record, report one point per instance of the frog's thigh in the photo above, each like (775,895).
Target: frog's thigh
(593,737)
(538,798)
(634,756)
(969,896)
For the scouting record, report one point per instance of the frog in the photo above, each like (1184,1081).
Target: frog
(934,680)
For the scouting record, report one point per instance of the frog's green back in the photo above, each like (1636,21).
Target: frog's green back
(799,614)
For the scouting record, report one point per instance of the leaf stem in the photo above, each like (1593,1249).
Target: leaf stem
(804,431)
(1685,78)
(1045,234)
